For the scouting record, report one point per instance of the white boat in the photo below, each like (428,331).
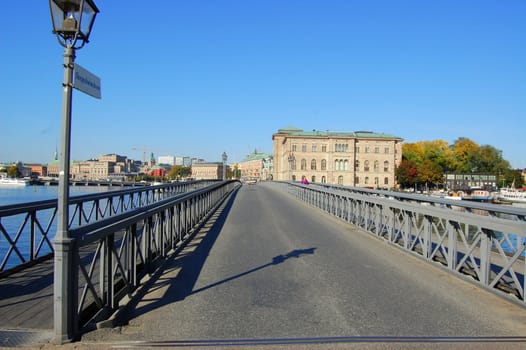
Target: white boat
(6,181)
(513,195)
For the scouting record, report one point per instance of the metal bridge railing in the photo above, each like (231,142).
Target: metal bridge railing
(26,229)
(485,242)
(111,256)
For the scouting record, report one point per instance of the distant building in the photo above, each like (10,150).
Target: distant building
(37,169)
(256,166)
(466,182)
(168,160)
(361,158)
(108,166)
(53,167)
(157,171)
(207,171)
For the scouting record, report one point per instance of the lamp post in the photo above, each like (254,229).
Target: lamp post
(72,23)
(224,157)
(291,160)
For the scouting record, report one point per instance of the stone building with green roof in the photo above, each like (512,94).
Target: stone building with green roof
(359,158)
(256,166)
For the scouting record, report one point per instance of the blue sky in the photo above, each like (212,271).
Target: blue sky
(196,78)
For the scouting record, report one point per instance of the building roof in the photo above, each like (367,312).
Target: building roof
(293,131)
(256,156)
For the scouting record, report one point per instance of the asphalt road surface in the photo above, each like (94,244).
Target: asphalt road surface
(269,271)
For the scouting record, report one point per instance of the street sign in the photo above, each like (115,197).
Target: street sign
(86,82)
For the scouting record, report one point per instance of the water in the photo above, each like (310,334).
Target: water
(15,195)
(23,194)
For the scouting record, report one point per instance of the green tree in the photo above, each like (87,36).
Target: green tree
(179,172)
(13,171)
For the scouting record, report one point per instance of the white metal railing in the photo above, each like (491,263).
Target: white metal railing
(485,242)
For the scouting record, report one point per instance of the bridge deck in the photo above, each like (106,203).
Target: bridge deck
(26,298)
(267,266)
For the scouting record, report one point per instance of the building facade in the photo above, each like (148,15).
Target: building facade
(466,182)
(256,166)
(361,158)
(207,171)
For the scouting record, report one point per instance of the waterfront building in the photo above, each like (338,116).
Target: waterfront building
(108,166)
(37,170)
(53,167)
(208,171)
(360,158)
(256,166)
(466,182)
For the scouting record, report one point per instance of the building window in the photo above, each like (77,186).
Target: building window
(357,149)
(336,165)
(377,150)
(366,165)
(346,165)
(356,165)
(313,178)
(313,164)
(293,164)
(376,166)
(304,148)
(294,148)
(366,180)
(323,180)
(323,164)
(386,150)
(314,148)
(324,148)
(293,177)
(356,180)
(386,181)
(341,147)
(386,166)
(340,180)
(303,164)
(366,149)
(376,181)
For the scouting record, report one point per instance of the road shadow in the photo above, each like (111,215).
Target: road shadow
(179,274)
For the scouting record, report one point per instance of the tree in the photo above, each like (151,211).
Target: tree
(463,149)
(179,172)
(407,173)
(432,159)
(430,173)
(13,171)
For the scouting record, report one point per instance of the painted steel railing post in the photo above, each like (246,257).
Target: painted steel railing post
(33,235)
(426,250)
(485,257)
(452,245)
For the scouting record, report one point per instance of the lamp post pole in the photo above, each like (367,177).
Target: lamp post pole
(65,304)
(224,157)
(72,23)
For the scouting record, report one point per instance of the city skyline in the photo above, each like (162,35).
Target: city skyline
(214,77)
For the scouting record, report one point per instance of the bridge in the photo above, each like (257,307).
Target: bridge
(273,265)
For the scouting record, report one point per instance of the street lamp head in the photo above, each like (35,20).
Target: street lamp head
(72,21)
(224,156)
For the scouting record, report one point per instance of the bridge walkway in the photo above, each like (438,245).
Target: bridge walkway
(268,268)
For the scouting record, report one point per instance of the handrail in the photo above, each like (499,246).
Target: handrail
(109,258)
(27,228)
(485,247)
